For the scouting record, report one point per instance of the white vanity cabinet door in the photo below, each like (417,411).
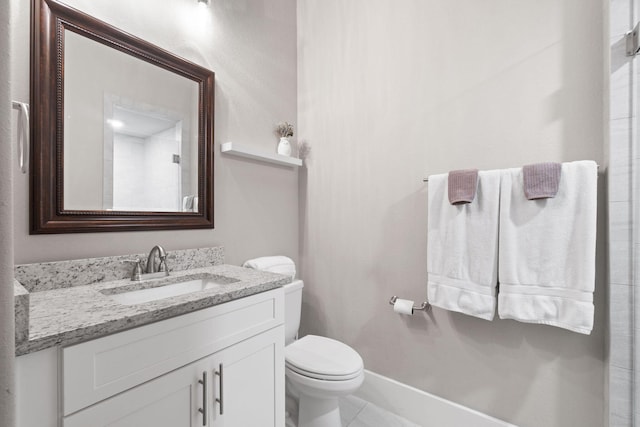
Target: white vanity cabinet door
(251,388)
(171,400)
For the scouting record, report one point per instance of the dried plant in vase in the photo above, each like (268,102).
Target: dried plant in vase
(285,131)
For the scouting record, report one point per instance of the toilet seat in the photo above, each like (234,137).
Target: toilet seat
(323,358)
(317,376)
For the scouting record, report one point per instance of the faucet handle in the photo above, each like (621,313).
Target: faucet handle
(136,274)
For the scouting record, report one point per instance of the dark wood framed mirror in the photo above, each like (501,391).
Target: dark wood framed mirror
(121,130)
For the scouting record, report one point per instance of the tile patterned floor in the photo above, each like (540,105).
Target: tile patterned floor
(356,412)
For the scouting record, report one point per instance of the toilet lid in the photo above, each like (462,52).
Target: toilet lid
(323,358)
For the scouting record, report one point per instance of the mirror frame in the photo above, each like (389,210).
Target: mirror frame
(49,20)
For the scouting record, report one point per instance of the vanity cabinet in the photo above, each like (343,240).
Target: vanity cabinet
(197,395)
(222,367)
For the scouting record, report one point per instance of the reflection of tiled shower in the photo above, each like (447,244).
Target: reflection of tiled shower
(157,172)
(162,173)
(624,330)
(145,176)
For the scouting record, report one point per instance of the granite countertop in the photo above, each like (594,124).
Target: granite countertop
(71,315)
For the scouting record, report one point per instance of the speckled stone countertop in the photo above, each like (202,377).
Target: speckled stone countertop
(46,276)
(71,315)
(21,308)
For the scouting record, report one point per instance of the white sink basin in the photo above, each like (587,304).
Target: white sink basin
(128,296)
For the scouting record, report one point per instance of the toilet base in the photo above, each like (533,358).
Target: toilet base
(314,412)
(318,399)
(291,408)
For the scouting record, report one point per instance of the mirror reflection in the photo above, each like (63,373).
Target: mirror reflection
(130,132)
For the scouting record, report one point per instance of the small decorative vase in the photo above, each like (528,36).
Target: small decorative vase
(284,148)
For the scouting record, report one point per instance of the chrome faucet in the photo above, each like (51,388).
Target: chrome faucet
(151,262)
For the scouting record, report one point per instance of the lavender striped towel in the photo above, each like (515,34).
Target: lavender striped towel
(462,186)
(541,180)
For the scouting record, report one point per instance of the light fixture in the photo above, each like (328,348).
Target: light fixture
(203,2)
(116,124)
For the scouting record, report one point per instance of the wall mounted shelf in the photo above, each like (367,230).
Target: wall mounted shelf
(257,154)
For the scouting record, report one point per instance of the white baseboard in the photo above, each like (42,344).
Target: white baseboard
(420,407)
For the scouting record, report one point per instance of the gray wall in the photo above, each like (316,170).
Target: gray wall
(250,45)
(390,92)
(7,162)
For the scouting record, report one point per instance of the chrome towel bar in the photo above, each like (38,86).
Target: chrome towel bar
(427,179)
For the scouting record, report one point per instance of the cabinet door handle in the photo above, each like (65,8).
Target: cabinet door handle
(220,373)
(203,410)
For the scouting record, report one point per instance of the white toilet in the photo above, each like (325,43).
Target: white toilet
(318,370)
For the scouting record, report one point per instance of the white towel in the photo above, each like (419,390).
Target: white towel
(547,250)
(274,264)
(187,203)
(462,243)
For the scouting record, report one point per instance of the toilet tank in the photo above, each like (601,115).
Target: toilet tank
(292,309)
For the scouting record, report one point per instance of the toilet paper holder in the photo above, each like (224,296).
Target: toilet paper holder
(424,306)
